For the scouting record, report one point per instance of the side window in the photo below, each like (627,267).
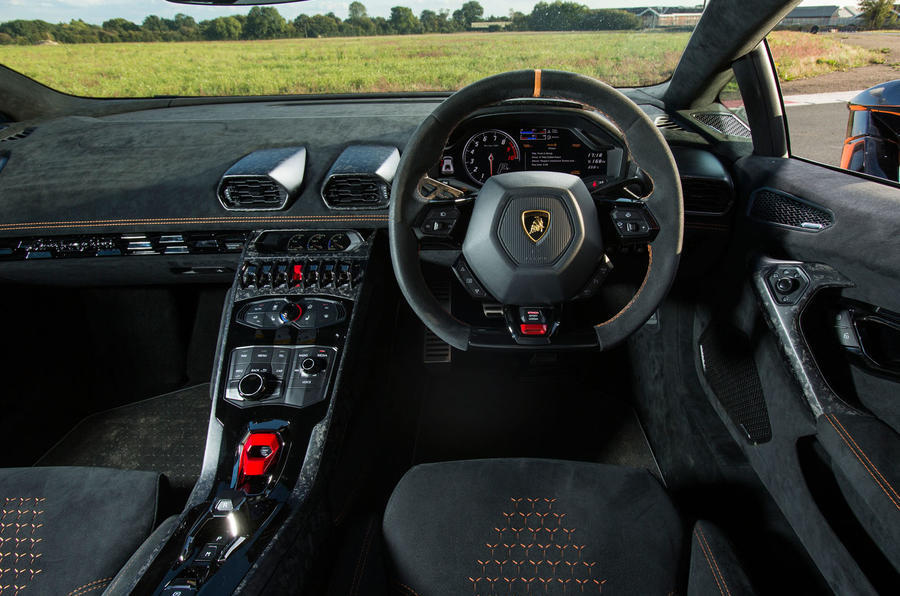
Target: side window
(841,96)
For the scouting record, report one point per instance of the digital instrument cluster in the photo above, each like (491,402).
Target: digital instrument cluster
(474,157)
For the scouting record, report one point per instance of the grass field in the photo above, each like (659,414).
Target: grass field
(383,64)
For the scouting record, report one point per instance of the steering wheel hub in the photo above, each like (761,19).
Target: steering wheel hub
(534,237)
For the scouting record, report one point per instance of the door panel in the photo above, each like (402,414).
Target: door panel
(824,254)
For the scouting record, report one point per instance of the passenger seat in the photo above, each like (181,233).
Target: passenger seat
(68,530)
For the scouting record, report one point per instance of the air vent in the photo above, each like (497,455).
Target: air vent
(665,121)
(356,191)
(781,209)
(706,196)
(251,192)
(263,180)
(725,123)
(8,136)
(360,177)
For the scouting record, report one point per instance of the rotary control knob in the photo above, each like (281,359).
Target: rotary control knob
(252,386)
(786,285)
(311,366)
(291,312)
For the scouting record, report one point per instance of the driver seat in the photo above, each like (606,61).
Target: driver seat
(534,526)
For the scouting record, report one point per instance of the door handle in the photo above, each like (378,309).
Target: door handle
(871,336)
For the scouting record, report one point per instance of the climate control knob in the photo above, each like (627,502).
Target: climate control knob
(252,386)
(291,312)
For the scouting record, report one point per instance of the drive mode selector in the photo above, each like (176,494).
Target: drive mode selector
(291,312)
(252,386)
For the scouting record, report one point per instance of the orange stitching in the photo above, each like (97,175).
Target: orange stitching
(94,585)
(215,219)
(636,294)
(709,548)
(408,589)
(836,419)
(705,556)
(861,462)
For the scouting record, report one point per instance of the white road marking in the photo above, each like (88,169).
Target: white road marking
(811,99)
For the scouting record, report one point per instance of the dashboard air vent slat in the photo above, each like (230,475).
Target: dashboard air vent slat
(710,197)
(356,191)
(724,123)
(665,121)
(15,136)
(251,192)
(360,178)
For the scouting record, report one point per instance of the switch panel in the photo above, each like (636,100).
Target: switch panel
(293,375)
(302,313)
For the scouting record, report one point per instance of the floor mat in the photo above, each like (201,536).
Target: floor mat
(165,434)
(511,412)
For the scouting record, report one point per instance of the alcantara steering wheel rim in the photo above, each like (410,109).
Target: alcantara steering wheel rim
(644,144)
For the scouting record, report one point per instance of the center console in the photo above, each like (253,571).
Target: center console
(284,333)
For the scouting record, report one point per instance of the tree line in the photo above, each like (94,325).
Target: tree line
(265,22)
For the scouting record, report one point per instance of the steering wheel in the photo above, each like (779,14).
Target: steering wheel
(534,241)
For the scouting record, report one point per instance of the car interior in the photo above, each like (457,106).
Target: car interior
(387,344)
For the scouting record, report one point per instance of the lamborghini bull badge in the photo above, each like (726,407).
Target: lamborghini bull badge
(536,222)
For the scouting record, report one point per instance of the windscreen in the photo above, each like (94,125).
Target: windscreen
(143,48)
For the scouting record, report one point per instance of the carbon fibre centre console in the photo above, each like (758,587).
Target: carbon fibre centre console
(283,335)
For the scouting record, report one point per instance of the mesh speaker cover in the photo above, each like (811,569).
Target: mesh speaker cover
(731,373)
(725,123)
(784,210)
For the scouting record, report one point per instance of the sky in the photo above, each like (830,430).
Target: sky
(97,11)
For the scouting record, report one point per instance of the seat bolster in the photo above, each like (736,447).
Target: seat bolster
(715,569)
(68,530)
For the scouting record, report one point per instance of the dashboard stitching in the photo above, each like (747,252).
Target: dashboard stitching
(182,220)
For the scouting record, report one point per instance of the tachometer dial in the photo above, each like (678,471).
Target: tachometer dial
(491,152)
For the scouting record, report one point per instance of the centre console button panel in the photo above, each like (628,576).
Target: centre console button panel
(302,313)
(291,375)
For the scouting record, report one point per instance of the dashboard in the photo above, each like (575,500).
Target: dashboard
(559,141)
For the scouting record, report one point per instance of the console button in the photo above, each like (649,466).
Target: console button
(248,276)
(327,315)
(344,276)
(296,274)
(265,275)
(281,275)
(257,320)
(311,278)
(208,554)
(327,274)
(533,329)
(240,361)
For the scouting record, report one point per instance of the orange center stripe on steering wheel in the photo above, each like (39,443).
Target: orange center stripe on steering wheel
(537,82)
